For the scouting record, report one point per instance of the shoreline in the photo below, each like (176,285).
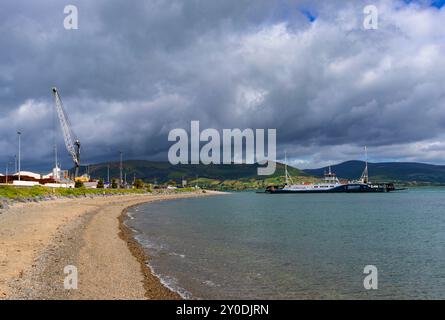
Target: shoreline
(154,289)
(41,238)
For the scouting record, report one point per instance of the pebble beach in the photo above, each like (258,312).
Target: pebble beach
(38,239)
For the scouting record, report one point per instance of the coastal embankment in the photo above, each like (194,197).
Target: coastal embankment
(38,240)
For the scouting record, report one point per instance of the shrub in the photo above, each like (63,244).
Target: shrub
(100,184)
(138,184)
(78,184)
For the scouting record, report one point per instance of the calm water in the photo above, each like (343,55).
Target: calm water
(248,245)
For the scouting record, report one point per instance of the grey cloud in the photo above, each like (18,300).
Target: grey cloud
(133,71)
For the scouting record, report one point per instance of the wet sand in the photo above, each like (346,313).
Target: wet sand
(38,240)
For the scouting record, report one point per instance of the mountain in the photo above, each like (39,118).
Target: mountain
(163,172)
(405,172)
(245,176)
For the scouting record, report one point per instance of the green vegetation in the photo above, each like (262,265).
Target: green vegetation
(11,192)
(100,184)
(180,190)
(215,177)
(247,184)
(16,192)
(162,172)
(138,184)
(36,192)
(78,184)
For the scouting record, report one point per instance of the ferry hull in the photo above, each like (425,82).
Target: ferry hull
(347,188)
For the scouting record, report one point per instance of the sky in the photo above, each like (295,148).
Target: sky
(133,71)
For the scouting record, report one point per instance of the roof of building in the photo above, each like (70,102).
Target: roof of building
(29,174)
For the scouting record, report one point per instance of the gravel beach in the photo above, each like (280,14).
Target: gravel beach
(39,239)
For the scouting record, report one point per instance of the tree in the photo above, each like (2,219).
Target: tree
(100,184)
(78,184)
(114,184)
(138,184)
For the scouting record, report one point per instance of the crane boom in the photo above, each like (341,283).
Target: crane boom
(71,142)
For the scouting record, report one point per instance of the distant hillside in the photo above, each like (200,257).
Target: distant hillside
(163,172)
(245,176)
(388,171)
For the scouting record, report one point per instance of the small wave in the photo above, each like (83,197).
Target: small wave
(131,228)
(177,255)
(149,244)
(171,283)
(209,283)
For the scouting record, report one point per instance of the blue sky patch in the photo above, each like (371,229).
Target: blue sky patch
(310,15)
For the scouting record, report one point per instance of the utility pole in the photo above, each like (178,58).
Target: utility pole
(19,134)
(7,171)
(6,175)
(108,174)
(120,169)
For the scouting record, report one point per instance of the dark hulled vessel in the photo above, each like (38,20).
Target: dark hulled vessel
(331,184)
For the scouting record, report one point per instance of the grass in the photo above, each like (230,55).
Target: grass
(11,192)
(248,184)
(180,190)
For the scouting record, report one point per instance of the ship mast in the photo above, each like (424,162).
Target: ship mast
(285,168)
(286,173)
(365,177)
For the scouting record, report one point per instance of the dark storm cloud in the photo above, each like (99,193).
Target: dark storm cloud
(135,70)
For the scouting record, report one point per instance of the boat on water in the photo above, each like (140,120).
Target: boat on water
(331,184)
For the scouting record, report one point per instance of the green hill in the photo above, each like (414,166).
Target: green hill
(235,176)
(244,176)
(402,172)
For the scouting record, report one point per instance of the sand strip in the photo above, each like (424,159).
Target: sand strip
(38,240)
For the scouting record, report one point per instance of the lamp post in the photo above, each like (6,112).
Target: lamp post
(120,169)
(19,134)
(7,171)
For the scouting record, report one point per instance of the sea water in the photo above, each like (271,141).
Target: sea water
(246,245)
